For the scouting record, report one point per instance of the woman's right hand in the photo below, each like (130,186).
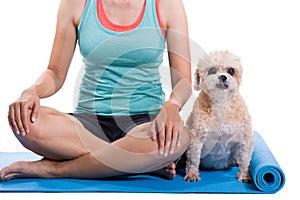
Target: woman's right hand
(24,111)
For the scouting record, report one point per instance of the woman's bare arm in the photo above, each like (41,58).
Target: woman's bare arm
(26,108)
(174,20)
(178,51)
(62,51)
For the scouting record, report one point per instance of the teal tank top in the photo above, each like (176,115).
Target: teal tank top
(121,75)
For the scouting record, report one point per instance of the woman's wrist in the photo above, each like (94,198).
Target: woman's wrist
(175,103)
(30,91)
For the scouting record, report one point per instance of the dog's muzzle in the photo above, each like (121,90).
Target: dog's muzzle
(223,84)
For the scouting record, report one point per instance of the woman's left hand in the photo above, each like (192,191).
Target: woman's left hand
(167,128)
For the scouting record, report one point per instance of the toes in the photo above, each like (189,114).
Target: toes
(171,172)
(10,176)
(5,174)
(14,170)
(171,169)
(2,175)
(168,172)
(172,166)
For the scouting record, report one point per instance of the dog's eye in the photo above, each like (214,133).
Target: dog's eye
(212,70)
(231,71)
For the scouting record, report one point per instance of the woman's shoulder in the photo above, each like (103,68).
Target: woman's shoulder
(171,4)
(72,9)
(172,12)
(168,10)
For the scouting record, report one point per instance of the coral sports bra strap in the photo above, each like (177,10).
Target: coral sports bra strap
(102,17)
(116,27)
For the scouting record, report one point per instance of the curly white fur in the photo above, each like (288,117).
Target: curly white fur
(219,124)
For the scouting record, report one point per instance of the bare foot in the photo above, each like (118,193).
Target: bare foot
(46,169)
(168,172)
(25,169)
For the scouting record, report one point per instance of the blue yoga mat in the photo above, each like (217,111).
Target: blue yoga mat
(268,178)
(267,175)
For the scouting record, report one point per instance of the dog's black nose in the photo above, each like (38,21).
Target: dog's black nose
(222,78)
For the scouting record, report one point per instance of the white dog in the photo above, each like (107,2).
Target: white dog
(219,124)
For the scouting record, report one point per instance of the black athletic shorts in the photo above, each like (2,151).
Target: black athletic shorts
(111,128)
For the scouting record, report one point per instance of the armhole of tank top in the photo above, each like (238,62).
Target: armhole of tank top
(82,18)
(157,6)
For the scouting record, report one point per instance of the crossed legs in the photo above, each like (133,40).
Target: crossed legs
(69,150)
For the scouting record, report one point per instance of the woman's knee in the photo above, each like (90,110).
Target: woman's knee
(35,134)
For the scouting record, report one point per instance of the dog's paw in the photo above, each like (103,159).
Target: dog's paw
(245,177)
(192,177)
(234,162)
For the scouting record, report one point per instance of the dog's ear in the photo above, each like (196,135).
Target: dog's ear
(197,80)
(204,62)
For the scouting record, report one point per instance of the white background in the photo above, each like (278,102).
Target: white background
(264,33)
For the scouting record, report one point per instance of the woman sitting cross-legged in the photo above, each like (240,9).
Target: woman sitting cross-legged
(122,123)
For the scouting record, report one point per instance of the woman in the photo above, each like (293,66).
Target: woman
(121,124)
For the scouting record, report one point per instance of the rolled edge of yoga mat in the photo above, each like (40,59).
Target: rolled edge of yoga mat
(266,172)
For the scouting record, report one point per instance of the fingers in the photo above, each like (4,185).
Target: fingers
(20,114)
(12,120)
(17,118)
(35,111)
(172,137)
(175,137)
(158,129)
(153,130)
(161,141)
(24,119)
(168,135)
(168,138)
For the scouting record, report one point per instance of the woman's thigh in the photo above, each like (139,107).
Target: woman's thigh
(134,153)
(137,152)
(59,136)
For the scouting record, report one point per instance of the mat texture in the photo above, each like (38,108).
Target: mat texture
(267,174)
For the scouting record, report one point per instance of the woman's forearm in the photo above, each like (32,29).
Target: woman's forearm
(46,85)
(181,92)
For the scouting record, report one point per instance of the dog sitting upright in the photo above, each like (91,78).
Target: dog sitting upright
(219,124)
